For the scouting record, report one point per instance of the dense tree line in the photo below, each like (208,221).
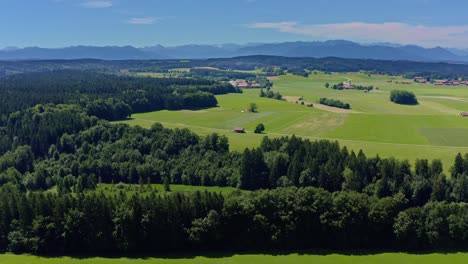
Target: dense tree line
(106,95)
(403,97)
(221,75)
(111,222)
(334,103)
(270,94)
(355,87)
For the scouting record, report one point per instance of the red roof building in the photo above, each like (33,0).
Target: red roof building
(239,130)
(242,84)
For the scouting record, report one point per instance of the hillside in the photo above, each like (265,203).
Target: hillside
(292,64)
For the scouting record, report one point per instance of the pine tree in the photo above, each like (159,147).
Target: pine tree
(457,168)
(245,180)
(167,185)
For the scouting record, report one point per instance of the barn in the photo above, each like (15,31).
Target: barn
(239,130)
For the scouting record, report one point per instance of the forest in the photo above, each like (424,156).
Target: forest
(293,193)
(270,94)
(273,65)
(107,96)
(317,191)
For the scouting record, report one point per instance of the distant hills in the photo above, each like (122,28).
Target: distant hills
(318,49)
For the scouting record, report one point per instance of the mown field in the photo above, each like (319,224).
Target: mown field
(432,129)
(385,258)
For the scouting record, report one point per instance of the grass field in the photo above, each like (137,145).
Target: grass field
(432,129)
(385,258)
(134,188)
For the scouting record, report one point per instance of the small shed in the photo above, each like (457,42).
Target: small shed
(464,114)
(239,130)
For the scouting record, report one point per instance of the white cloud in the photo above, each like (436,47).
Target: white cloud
(429,36)
(143,20)
(96,4)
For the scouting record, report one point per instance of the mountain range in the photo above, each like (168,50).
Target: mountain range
(331,48)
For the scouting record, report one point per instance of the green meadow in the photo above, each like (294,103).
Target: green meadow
(384,258)
(433,129)
(131,189)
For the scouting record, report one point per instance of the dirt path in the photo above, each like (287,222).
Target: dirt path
(445,97)
(294,99)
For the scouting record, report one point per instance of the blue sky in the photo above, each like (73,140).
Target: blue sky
(58,23)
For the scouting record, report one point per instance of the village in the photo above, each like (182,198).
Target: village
(419,79)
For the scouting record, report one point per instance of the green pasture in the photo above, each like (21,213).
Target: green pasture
(135,188)
(383,258)
(432,129)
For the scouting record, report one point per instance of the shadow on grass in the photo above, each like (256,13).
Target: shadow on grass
(225,254)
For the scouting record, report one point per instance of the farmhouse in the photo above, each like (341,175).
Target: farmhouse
(348,86)
(464,114)
(451,83)
(245,84)
(420,79)
(239,130)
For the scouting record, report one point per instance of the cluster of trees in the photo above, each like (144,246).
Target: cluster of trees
(356,87)
(109,109)
(334,103)
(219,75)
(107,153)
(263,81)
(272,70)
(298,70)
(403,97)
(292,161)
(40,126)
(107,96)
(270,94)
